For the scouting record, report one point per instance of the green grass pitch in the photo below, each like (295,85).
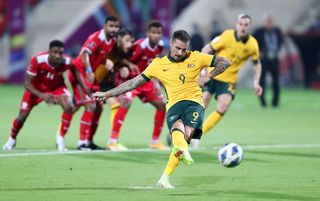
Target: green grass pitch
(287,168)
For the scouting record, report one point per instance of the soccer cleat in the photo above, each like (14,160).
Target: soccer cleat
(60,144)
(161,184)
(93,146)
(164,182)
(158,145)
(83,147)
(116,147)
(182,155)
(11,143)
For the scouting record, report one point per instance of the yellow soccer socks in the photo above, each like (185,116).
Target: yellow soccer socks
(211,121)
(178,143)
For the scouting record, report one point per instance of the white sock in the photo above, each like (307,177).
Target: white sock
(154,141)
(80,142)
(112,140)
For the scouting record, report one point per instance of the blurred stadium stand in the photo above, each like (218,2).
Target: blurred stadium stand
(72,21)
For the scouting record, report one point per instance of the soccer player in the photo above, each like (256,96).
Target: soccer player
(93,53)
(238,46)
(115,71)
(45,82)
(144,51)
(178,73)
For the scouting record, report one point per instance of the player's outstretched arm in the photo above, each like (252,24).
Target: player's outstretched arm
(220,64)
(124,87)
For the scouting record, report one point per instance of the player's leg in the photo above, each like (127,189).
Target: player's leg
(179,143)
(224,94)
(223,103)
(182,131)
(26,105)
(159,118)
(94,125)
(274,68)
(262,98)
(65,101)
(123,104)
(85,124)
(16,127)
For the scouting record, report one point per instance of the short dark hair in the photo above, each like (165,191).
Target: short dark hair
(181,35)
(56,43)
(122,32)
(244,15)
(155,23)
(111,18)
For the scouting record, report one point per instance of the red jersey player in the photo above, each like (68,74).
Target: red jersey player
(45,82)
(144,51)
(93,54)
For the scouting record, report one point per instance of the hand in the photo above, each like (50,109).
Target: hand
(257,88)
(90,77)
(124,72)
(100,96)
(88,91)
(134,68)
(203,79)
(49,99)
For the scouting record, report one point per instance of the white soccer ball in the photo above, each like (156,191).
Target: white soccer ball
(230,155)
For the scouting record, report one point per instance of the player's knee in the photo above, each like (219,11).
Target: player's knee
(126,104)
(90,107)
(161,106)
(222,107)
(68,109)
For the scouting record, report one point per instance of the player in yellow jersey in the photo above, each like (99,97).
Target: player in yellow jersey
(238,46)
(178,73)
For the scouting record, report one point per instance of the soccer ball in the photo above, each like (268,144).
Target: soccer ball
(230,155)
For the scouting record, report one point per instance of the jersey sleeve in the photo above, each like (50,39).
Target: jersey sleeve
(32,67)
(136,54)
(150,71)
(91,45)
(206,60)
(256,54)
(218,42)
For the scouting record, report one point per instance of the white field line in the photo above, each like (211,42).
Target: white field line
(247,147)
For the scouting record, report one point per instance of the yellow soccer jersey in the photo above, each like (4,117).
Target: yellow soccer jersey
(179,79)
(229,46)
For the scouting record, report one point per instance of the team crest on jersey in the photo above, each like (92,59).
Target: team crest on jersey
(190,65)
(92,44)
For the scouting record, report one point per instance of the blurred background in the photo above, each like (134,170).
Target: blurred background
(27,26)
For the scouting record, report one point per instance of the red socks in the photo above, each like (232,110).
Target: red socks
(16,126)
(65,123)
(158,123)
(85,124)
(117,123)
(94,125)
